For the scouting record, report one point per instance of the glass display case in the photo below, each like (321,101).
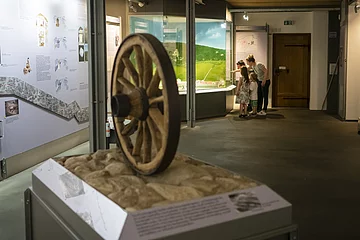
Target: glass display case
(213,47)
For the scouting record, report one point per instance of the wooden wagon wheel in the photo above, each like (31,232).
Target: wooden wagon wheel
(149,142)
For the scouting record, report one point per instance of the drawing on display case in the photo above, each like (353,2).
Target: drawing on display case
(82,44)
(27,68)
(60,21)
(42,29)
(11,108)
(61,84)
(58,41)
(245,201)
(61,63)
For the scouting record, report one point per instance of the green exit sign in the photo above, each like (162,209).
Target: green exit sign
(289,22)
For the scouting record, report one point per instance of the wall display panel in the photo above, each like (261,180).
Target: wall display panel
(352,86)
(43,71)
(113,41)
(255,43)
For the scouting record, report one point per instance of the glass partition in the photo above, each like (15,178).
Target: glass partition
(213,47)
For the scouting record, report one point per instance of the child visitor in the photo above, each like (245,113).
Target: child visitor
(243,92)
(253,93)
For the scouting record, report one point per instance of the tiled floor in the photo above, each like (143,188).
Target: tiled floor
(12,220)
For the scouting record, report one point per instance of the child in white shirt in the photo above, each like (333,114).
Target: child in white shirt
(253,92)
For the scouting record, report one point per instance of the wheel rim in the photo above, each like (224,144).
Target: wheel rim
(150,140)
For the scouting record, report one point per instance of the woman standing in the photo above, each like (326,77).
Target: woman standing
(263,84)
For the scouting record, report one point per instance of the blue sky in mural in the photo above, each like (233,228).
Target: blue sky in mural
(211,34)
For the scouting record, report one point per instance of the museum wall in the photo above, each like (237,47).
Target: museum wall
(319,59)
(304,23)
(353,59)
(43,72)
(333,54)
(118,8)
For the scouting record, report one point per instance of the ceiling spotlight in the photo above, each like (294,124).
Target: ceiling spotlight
(132,7)
(246,17)
(199,2)
(357,8)
(140,3)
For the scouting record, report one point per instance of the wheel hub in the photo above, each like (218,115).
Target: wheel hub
(135,104)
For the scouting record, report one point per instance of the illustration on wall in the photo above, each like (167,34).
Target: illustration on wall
(82,44)
(27,68)
(58,41)
(60,21)
(11,108)
(42,29)
(61,84)
(61,63)
(248,43)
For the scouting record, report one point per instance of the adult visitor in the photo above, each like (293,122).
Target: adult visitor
(263,84)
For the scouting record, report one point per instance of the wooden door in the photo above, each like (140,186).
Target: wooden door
(291,73)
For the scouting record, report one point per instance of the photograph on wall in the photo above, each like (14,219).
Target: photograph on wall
(11,108)
(245,201)
(81,53)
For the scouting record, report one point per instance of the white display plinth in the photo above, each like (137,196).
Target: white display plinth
(234,215)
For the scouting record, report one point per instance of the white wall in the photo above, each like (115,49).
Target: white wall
(319,59)
(353,61)
(315,23)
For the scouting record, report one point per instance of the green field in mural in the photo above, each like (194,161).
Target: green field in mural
(210,63)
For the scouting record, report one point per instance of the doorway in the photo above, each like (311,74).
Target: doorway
(291,74)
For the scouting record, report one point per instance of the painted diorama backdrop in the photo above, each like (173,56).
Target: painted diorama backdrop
(211,37)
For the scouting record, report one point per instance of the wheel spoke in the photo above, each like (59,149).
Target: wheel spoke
(156,100)
(154,85)
(139,140)
(148,69)
(131,69)
(130,128)
(126,83)
(147,143)
(154,134)
(158,119)
(140,63)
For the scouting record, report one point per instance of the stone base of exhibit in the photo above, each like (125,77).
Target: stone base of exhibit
(191,199)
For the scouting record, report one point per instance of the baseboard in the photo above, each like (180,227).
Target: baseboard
(39,154)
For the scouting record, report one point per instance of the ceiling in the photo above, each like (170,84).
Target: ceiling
(283,3)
